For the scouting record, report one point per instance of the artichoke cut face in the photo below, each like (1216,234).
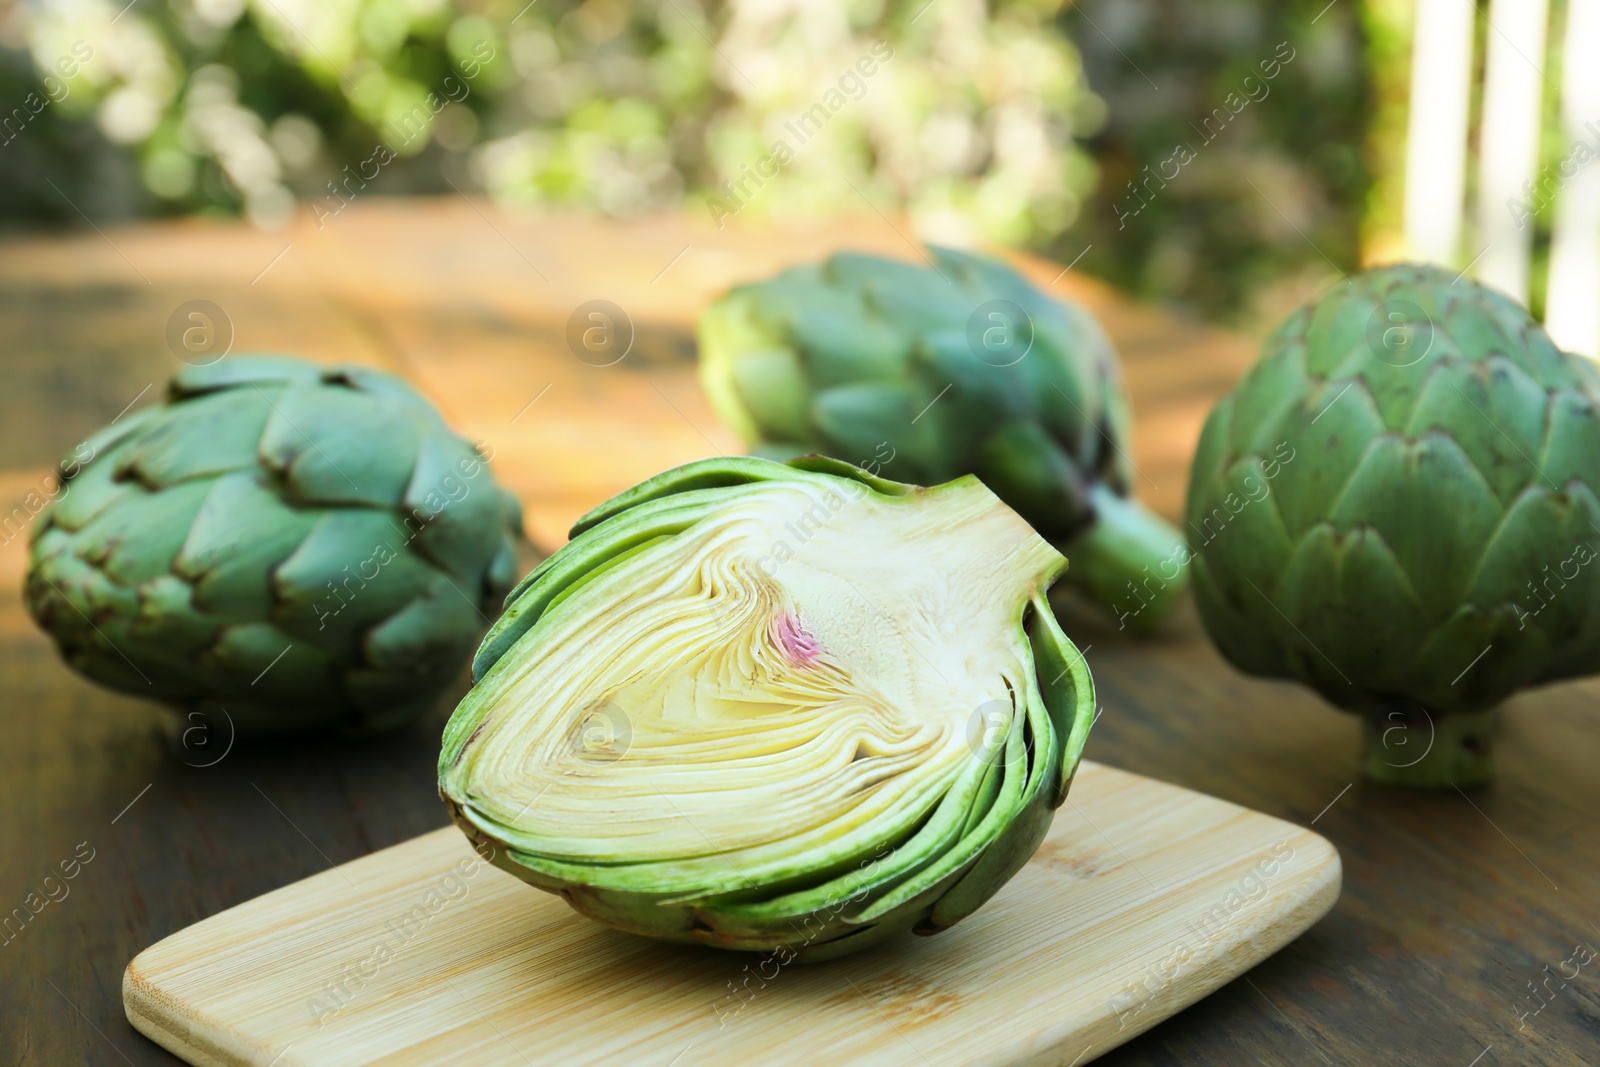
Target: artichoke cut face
(808,678)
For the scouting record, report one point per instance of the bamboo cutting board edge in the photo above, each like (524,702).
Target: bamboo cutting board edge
(185,1027)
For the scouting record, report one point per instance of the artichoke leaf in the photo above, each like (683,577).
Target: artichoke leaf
(1067,689)
(1498,396)
(139,538)
(454,509)
(336,446)
(249,371)
(88,493)
(1341,425)
(1399,489)
(240,534)
(229,423)
(350,568)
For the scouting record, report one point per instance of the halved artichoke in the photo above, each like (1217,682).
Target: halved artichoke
(775,706)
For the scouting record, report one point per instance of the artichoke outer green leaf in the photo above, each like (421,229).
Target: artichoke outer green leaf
(1369,618)
(104,440)
(85,493)
(167,617)
(253,646)
(1337,427)
(1564,459)
(1068,691)
(229,423)
(139,538)
(1494,391)
(1245,525)
(739,812)
(770,384)
(862,417)
(890,290)
(357,456)
(247,371)
(1400,488)
(348,571)
(223,547)
(1021,462)
(874,273)
(1264,415)
(1438,495)
(456,511)
(240,535)
(840,469)
(1557,593)
(842,345)
(716,474)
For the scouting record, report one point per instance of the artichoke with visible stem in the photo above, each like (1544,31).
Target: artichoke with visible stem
(960,367)
(301,546)
(790,708)
(1397,507)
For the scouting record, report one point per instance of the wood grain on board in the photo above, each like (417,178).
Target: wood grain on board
(424,954)
(1453,906)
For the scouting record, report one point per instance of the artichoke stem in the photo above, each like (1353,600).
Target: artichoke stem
(1130,560)
(1406,745)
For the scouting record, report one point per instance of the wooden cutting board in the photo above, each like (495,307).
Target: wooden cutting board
(1143,899)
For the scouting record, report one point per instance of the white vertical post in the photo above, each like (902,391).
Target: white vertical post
(1436,138)
(1572,302)
(1513,85)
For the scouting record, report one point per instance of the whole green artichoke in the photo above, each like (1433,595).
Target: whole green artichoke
(789,708)
(304,546)
(1397,507)
(961,367)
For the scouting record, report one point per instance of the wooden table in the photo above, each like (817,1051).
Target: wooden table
(1454,905)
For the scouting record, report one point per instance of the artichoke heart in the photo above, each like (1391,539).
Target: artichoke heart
(775,707)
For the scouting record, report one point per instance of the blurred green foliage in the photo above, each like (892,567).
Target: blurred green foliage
(1015,121)
(969,119)
(1269,103)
